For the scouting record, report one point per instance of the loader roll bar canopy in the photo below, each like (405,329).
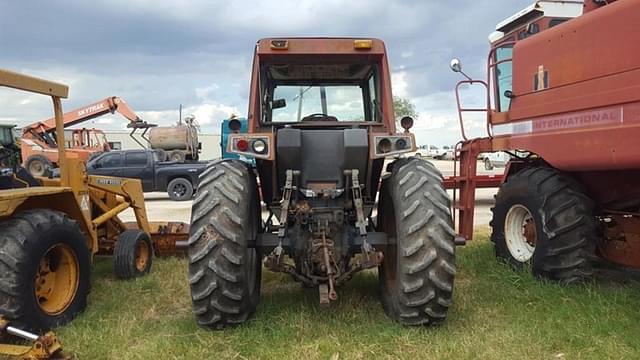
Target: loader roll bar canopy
(33,84)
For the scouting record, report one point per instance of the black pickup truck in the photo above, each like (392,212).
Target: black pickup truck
(179,180)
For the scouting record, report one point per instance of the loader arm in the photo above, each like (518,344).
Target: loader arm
(109,105)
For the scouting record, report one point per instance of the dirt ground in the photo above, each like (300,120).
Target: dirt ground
(160,208)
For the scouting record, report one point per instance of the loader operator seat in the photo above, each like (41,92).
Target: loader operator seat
(321,155)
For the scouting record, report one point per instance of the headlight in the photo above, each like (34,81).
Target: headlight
(259,146)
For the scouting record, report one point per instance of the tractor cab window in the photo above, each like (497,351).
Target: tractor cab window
(503,77)
(301,93)
(6,136)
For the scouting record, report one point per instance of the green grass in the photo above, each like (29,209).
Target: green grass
(497,314)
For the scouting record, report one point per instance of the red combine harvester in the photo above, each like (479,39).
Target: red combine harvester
(563,88)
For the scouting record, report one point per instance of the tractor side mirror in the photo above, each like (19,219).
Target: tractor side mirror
(456,65)
(278,104)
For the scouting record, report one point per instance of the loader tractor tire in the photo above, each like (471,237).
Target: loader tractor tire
(180,189)
(416,275)
(177,156)
(38,165)
(133,254)
(544,221)
(224,273)
(44,269)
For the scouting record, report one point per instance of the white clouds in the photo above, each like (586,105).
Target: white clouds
(159,54)
(399,84)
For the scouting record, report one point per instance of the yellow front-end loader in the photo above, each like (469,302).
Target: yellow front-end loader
(52,228)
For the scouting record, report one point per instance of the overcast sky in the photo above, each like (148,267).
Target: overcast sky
(159,54)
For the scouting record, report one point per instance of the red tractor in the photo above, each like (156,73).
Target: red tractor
(563,97)
(321,125)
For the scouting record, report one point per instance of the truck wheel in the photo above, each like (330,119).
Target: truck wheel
(44,269)
(177,156)
(488,165)
(180,189)
(224,273)
(544,220)
(416,276)
(38,165)
(133,254)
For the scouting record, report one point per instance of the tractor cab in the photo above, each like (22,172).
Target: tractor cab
(322,106)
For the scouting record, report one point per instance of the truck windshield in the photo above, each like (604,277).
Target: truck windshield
(329,92)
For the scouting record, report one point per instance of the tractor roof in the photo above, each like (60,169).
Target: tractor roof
(320,46)
(32,84)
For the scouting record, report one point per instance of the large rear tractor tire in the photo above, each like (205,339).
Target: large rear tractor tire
(416,276)
(44,269)
(543,220)
(38,165)
(133,254)
(224,273)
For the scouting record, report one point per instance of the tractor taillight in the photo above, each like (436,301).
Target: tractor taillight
(242,145)
(258,146)
(387,145)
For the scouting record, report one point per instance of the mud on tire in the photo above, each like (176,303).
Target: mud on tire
(563,218)
(27,241)
(416,276)
(224,274)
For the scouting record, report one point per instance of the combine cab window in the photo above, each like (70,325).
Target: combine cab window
(504,78)
(555,22)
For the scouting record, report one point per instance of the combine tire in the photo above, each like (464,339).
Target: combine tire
(544,220)
(177,156)
(180,189)
(44,269)
(224,273)
(38,165)
(416,276)
(133,254)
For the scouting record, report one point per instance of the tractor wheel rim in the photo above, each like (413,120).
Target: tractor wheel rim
(142,255)
(520,233)
(57,279)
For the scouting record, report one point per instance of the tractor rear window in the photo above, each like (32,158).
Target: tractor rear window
(345,103)
(320,92)
(6,136)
